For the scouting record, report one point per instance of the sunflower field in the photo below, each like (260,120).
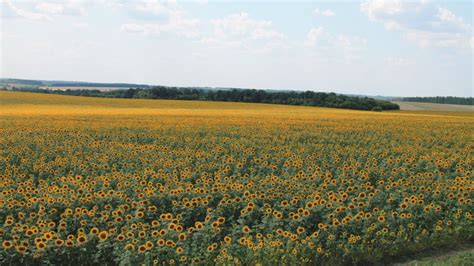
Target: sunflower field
(126,182)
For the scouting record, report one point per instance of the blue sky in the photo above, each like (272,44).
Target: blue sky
(373,47)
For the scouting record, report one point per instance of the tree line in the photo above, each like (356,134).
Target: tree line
(441,99)
(54,83)
(307,98)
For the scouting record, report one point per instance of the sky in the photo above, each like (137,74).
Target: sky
(371,47)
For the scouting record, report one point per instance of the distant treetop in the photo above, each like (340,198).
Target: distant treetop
(307,98)
(441,99)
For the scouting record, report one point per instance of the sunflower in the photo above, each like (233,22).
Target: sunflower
(300,230)
(7,244)
(41,245)
(103,235)
(81,239)
(149,245)
(48,236)
(171,226)
(130,247)
(142,234)
(277,214)
(381,218)
(69,243)
(58,242)
(29,232)
(161,242)
(20,249)
(142,248)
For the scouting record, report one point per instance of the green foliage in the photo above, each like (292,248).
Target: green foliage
(307,98)
(440,99)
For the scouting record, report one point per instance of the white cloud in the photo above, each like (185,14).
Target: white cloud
(26,14)
(174,20)
(51,8)
(334,47)
(240,30)
(242,26)
(44,10)
(440,40)
(449,17)
(158,7)
(375,8)
(325,13)
(180,27)
(112,4)
(421,22)
(321,39)
(314,36)
(64,7)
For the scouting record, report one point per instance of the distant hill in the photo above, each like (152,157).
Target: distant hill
(60,83)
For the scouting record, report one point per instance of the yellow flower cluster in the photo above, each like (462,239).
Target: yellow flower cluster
(94,180)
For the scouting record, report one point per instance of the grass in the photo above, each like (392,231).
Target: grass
(457,255)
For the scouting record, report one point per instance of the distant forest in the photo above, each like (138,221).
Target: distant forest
(444,100)
(31,83)
(307,98)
